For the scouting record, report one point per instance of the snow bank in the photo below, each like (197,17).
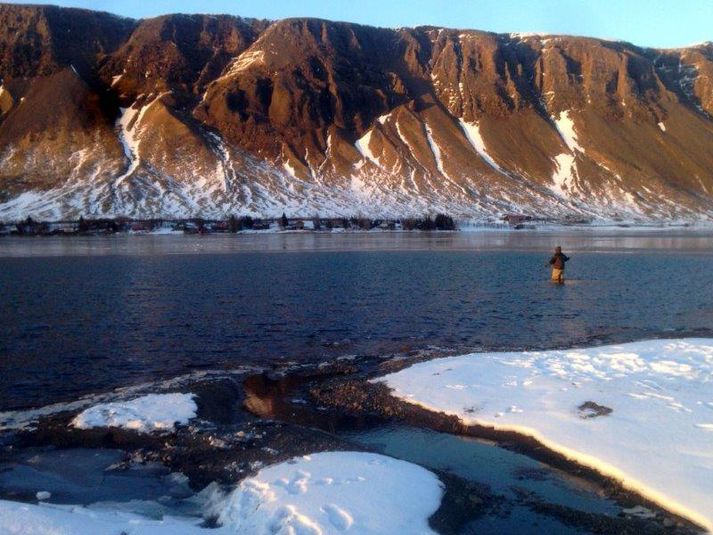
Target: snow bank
(154,412)
(657,440)
(28,419)
(333,492)
(324,493)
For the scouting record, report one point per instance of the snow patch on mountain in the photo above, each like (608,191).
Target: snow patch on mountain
(226,167)
(565,127)
(528,35)
(262,190)
(452,184)
(237,182)
(247,59)
(472,134)
(565,171)
(435,149)
(42,204)
(253,56)
(290,170)
(128,127)
(363,146)
(563,176)
(129,139)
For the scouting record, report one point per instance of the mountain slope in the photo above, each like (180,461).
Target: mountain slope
(201,115)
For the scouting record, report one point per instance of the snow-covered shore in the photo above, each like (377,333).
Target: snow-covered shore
(333,492)
(153,412)
(641,413)
(329,492)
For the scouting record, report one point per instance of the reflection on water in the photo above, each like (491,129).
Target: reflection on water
(581,239)
(506,473)
(95,313)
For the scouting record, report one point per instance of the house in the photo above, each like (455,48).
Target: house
(516,219)
(220,226)
(337,222)
(62,227)
(139,228)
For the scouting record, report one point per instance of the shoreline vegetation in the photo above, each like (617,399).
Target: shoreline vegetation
(236,224)
(230,225)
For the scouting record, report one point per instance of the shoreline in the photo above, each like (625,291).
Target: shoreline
(670,240)
(306,409)
(650,434)
(574,461)
(530,445)
(378,398)
(461,227)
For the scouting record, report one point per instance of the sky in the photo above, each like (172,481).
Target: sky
(654,23)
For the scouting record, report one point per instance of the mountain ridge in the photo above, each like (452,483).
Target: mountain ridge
(207,115)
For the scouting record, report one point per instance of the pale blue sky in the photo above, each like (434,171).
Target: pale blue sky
(656,23)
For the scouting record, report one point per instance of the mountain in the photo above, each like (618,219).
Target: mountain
(196,115)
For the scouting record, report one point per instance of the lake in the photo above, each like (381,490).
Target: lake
(87,314)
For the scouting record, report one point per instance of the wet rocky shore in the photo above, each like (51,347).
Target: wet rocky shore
(248,420)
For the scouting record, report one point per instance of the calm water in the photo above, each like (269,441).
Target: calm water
(88,314)
(504,472)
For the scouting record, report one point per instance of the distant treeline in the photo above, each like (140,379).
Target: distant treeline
(231,224)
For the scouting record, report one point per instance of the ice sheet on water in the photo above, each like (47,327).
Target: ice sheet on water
(44,519)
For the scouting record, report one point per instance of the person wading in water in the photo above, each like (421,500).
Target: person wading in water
(557,262)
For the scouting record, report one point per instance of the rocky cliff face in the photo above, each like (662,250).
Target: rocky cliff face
(201,115)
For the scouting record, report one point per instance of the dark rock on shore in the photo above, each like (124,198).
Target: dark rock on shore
(590,409)
(291,411)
